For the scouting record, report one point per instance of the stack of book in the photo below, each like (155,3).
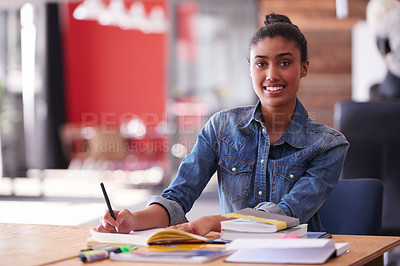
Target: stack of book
(251,223)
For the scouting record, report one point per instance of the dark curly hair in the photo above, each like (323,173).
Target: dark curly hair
(276,25)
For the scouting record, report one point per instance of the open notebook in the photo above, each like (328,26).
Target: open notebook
(145,237)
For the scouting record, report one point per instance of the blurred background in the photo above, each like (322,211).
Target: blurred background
(116,92)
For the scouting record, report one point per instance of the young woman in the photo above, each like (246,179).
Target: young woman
(270,156)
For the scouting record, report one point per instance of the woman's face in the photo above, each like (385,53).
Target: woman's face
(276,70)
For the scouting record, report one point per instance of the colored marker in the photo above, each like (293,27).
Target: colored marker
(94,257)
(89,255)
(102,247)
(126,248)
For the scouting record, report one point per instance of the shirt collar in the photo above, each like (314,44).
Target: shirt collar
(295,135)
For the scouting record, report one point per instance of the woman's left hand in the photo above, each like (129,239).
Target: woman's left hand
(203,225)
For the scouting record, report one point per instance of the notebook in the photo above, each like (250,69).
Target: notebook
(300,251)
(177,256)
(145,237)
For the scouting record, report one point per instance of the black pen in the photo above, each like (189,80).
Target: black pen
(108,203)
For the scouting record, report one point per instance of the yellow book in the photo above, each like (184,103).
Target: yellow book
(145,237)
(278,221)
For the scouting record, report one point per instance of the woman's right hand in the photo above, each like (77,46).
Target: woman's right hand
(153,216)
(125,222)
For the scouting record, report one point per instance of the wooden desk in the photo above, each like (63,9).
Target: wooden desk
(25,244)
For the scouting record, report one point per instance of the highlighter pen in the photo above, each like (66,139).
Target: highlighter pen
(108,203)
(99,254)
(126,248)
(94,257)
(102,247)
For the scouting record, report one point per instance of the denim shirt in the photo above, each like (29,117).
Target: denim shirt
(294,176)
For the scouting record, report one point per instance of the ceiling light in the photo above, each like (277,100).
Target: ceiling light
(137,18)
(89,10)
(157,20)
(115,14)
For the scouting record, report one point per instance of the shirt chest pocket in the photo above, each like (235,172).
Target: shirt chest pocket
(235,174)
(284,178)
(289,172)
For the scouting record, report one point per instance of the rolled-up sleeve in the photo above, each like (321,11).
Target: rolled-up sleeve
(175,211)
(270,207)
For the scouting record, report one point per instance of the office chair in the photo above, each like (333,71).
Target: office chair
(373,130)
(354,207)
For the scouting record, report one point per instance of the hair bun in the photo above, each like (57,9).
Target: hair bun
(276,18)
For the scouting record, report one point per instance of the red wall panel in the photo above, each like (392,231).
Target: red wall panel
(111,73)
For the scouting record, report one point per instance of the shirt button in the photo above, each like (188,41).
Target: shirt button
(260,192)
(262,160)
(234,169)
(291,175)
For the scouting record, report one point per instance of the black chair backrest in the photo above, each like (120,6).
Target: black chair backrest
(373,130)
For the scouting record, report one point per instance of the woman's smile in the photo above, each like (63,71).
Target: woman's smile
(274,88)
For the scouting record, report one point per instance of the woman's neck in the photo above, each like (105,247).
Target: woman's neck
(277,120)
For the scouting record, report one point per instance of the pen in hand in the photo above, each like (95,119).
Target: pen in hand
(108,203)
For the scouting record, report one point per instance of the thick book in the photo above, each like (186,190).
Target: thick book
(300,251)
(246,225)
(145,237)
(299,230)
(277,221)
